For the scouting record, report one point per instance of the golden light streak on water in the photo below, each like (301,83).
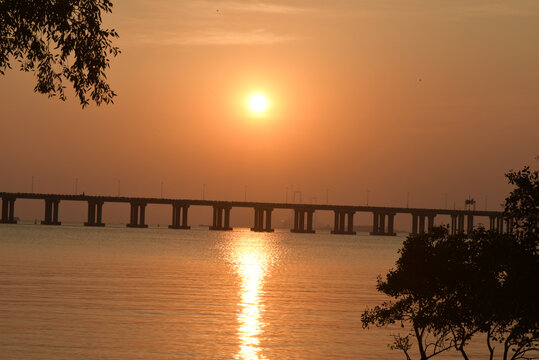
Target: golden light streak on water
(251,256)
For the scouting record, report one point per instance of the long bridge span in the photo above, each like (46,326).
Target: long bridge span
(382,219)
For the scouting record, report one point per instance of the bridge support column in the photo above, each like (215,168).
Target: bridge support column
(259,220)
(8,211)
(379,224)
(391,224)
(138,214)
(509,225)
(414,224)
(268,220)
(460,223)
(453,224)
(310,221)
(375,226)
(300,226)
(95,213)
(341,226)
(351,223)
(492,223)
(221,218)
(499,224)
(469,225)
(179,216)
(430,222)
(421,224)
(51,212)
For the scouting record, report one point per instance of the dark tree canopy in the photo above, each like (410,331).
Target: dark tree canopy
(522,205)
(449,288)
(58,40)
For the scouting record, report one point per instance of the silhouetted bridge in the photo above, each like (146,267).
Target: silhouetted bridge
(383,217)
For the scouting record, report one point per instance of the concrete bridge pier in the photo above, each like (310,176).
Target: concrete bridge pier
(509,225)
(453,228)
(457,223)
(430,225)
(422,223)
(418,224)
(300,225)
(221,218)
(379,224)
(469,225)
(259,220)
(95,211)
(138,214)
(460,223)
(179,216)
(499,224)
(506,225)
(415,220)
(51,212)
(492,223)
(8,211)
(341,226)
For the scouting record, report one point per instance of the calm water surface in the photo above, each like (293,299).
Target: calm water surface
(73,292)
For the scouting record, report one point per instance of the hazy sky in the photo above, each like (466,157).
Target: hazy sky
(385,97)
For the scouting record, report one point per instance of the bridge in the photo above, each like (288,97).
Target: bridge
(382,220)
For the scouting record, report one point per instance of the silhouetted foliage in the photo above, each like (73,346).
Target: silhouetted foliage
(522,206)
(448,288)
(59,39)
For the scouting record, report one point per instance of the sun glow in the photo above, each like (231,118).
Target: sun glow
(258,103)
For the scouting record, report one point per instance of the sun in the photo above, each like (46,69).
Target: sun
(258,103)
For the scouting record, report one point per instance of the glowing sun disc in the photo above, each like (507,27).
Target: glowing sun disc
(258,103)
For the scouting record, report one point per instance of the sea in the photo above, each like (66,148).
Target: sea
(75,292)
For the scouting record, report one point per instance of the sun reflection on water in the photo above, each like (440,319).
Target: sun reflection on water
(252,256)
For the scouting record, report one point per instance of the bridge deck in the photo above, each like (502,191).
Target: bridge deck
(248,204)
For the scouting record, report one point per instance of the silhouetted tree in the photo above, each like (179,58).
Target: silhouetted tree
(448,288)
(59,39)
(505,296)
(522,206)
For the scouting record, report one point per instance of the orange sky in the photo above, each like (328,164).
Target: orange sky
(385,96)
